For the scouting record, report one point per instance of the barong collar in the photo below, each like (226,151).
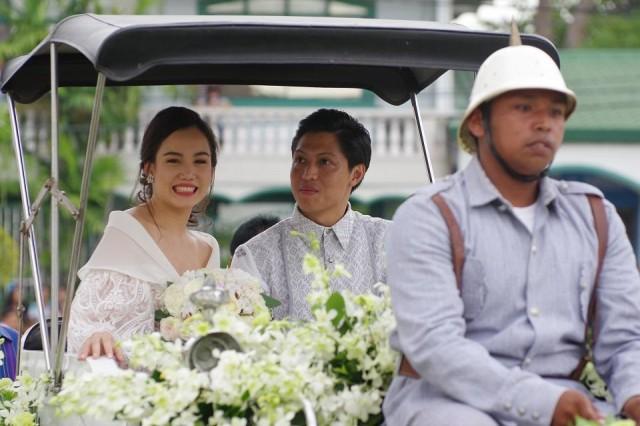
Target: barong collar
(342,229)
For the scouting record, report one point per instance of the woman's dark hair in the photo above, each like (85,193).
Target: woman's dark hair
(353,138)
(159,128)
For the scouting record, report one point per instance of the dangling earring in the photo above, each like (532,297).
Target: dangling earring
(150,179)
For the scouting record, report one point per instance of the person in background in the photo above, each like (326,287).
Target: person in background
(10,309)
(331,154)
(9,347)
(250,229)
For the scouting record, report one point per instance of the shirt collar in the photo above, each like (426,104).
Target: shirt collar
(342,229)
(482,191)
(548,191)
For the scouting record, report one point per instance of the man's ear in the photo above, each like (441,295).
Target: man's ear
(357,174)
(475,124)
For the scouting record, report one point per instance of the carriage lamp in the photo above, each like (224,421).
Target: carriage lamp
(209,298)
(200,352)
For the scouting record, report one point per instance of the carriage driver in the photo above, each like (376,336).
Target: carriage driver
(497,342)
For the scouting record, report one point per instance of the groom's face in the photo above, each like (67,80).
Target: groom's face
(321,180)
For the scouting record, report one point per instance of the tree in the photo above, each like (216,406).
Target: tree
(543,19)
(592,23)
(28,22)
(8,258)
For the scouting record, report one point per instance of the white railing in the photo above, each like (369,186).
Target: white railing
(264,131)
(259,139)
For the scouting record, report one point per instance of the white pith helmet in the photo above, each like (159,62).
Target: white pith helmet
(512,68)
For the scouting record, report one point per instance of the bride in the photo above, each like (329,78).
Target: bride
(151,244)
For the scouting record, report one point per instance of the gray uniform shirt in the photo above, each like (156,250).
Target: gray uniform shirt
(356,241)
(524,301)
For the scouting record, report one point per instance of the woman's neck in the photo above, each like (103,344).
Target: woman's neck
(167,221)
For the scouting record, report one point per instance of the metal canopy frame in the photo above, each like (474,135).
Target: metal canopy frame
(393,59)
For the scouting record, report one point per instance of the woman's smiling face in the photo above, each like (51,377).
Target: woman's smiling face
(182,169)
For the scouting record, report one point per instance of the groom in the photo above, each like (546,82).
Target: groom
(331,154)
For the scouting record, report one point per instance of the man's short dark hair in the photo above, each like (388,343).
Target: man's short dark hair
(250,229)
(353,138)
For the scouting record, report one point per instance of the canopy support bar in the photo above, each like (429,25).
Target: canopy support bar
(29,232)
(55,221)
(425,149)
(77,235)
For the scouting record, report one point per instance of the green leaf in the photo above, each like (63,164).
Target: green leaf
(609,421)
(271,302)
(157,376)
(160,314)
(336,302)
(584,422)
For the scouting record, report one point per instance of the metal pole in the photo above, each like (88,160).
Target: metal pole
(77,236)
(20,308)
(425,149)
(55,221)
(26,211)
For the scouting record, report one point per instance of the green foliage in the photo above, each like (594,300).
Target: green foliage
(8,170)
(614,31)
(8,257)
(28,25)
(270,302)
(596,385)
(336,303)
(609,421)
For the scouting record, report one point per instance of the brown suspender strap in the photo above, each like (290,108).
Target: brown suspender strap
(602,231)
(457,253)
(455,236)
(457,257)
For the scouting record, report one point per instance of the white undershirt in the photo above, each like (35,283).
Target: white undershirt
(526,215)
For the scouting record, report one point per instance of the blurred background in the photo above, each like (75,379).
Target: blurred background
(599,44)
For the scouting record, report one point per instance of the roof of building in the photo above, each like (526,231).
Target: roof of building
(607,84)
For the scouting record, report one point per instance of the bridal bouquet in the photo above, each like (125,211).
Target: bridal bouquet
(337,365)
(177,318)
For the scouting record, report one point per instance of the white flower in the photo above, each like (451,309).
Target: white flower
(174,299)
(169,328)
(343,370)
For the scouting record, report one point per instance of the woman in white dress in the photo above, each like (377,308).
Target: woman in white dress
(151,244)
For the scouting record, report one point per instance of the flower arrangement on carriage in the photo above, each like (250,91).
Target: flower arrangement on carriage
(227,362)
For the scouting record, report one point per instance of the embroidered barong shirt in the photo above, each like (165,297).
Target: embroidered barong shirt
(275,257)
(525,295)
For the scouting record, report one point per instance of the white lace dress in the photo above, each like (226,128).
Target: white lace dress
(123,281)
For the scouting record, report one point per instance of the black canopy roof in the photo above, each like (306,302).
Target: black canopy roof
(391,58)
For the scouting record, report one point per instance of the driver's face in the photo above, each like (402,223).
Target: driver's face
(527,128)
